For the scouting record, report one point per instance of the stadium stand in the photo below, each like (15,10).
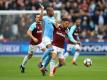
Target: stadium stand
(93,14)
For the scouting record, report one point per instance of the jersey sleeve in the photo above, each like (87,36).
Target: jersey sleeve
(78,38)
(44,18)
(70,34)
(32,27)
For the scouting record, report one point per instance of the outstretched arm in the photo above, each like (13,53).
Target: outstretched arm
(42,9)
(70,34)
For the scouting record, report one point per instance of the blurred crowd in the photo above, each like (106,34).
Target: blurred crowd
(93,14)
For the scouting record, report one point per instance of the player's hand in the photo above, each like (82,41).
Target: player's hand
(78,43)
(42,7)
(35,40)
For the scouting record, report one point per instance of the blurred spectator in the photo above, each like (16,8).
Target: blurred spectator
(2,5)
(92,12)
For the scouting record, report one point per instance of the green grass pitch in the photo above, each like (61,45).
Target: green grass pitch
(9,69)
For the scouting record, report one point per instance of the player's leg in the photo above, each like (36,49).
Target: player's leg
(27,57)
(47,59)
(46,55)
(77,52)
(66,54)
(52,62)
(68,50)
(61,59)
(59,65)
(46,43)
(44,64)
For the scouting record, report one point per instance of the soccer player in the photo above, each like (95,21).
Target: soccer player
(58,43)
(35,33)
(73,40)
(49,23)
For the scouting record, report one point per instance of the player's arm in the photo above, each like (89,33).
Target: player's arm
(29,32)
(70,35)
(41,13)
(78,38)
(56,23)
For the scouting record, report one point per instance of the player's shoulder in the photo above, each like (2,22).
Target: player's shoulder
(73,27)
(45,17)
(34,24)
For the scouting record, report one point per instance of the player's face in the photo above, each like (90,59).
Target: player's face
(37,18)
(50,12)
(65,24)
(78,22)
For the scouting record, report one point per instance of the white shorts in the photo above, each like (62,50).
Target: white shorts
(76,46)
(32,48)
(59,51)
(45,41)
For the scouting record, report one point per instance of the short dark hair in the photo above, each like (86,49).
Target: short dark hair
(47,9)
(36,14)
(74,19)
(66,19)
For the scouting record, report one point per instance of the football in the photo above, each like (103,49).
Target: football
(87,62)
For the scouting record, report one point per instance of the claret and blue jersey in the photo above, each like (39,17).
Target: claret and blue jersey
(73,34)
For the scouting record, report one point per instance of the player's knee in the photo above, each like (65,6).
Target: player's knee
(61,62)
(43,49)
(30,55)
(53,55)
(78,50)
(50,49)
(49,46)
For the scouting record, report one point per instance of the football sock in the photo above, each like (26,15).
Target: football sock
(66,55)
(52,65)
(76,55)
(46,61)
(25,60)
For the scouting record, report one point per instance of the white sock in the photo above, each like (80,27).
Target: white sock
(66,55)
(52,65)
(76,55)
(25,61)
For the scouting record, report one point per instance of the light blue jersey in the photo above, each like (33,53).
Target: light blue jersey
(33,26)
(48,23)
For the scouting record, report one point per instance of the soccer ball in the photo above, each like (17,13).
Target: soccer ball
(87,62)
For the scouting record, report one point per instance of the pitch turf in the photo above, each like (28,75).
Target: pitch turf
(9,69)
